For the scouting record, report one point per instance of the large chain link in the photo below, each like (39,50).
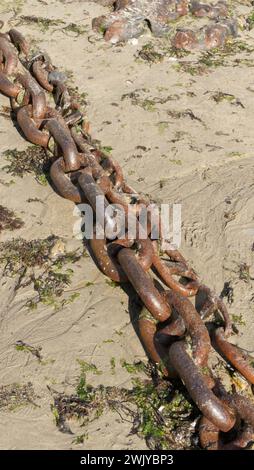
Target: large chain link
(49,115)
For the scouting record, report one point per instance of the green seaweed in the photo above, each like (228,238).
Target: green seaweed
(27,348)
(149,54)
(158,414)
(43,23)
(33,160)
(20,257)
(135,367)
(9,220)
(112,365)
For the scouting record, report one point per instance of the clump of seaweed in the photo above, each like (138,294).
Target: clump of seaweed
(48,286)
(139,98)
(15,396)
(74,28)
(19,254)
(220,96)
(161,415)
(27,348)
(159,50)
(33,160)
(224,56)
(250,20)
(36,264)
(9,220)
(43,23)
(244,272)
(148,54)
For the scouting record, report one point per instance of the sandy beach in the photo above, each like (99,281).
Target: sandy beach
(182,130)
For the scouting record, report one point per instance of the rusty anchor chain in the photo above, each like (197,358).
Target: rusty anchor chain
(80,171)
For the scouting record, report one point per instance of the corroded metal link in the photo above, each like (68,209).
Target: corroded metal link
(128,19)
(34,93)
(40,56)
(217,412)
(7,87)
(119,197)
(144,250)
(41,75)
(107,264)
(241,360)
(62,182)
(145,253)
(30,128)
(155,350)
(130,201)
(207,37)
(81,142)
(119,192)
(105,163)
(176,327)
(97,170)
(243,406)
(112,166)
(62,136)
(100,159)
(126,194)
(175,255)
(73,118)
(214,303)
(92,192)
(63,99)
(201,9)
(19,41)
(210,437)
(115,168)
(147,331)
(188,290)
(201,344)
(10,56)
(144,286)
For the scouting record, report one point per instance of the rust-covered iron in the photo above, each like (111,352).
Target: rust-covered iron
(34,93)
(62,137)
(213,303)
(131,17)
(19,41)
(201,344)
(63,183)
(7,87)
(30,128)
(155,349)
(211,439)
(107,264)
(10,56)
(212,408)
(41,74)
(144,285)
(163,280)
(166,273)
(241,360)
(243,432)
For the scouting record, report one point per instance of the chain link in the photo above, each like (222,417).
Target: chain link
(80,171)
